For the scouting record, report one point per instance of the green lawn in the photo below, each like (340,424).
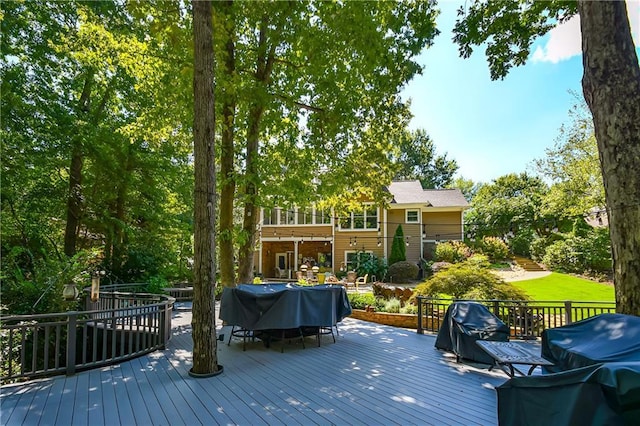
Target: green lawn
(566,287)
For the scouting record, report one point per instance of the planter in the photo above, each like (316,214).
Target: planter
(203,376)
(396,320)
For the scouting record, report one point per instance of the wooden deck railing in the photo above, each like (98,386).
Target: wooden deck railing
(120,326)
(526,319)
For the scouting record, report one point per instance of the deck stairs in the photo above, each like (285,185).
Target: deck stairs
(527,264)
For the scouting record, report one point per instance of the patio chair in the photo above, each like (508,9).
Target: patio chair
(350,280)
(281,273)
(361,280)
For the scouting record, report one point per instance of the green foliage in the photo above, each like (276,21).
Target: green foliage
(506,205)
(33,285)
(494,248)
(465,280)
(398,248)
(361,300)
(573,167)
(392,306)
(508,28)
(403,272)
(409,308)
(580,254)
(452,252)
(468,187)
(415,158)
(369,263)
(520,244)
(156,285)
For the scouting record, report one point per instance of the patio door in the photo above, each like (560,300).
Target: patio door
(281,261)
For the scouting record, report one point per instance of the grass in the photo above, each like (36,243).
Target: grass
(566,287)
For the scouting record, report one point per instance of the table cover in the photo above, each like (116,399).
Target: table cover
(284,306)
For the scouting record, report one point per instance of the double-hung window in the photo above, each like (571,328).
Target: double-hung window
(412,216)
(364,218)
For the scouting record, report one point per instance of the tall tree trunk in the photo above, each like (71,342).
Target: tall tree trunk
(611,86)
(74,198)
(205,360)
(119,213)
(264,66)
(227,193)
(247,248)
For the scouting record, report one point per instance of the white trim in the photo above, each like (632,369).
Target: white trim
(406,216)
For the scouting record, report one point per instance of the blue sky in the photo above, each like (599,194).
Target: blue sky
(492,128)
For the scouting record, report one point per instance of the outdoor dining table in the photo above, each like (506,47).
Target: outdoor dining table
(278,310)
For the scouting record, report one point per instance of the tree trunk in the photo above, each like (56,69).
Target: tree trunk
(247,248)
(205,361)
(611,86)
(264,66)
(227,193)
(74,198)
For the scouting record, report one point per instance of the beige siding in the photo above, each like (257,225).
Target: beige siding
(366,240)
(411,230)
(442,226)
(299,231)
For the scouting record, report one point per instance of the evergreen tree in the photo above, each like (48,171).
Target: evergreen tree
(398,252)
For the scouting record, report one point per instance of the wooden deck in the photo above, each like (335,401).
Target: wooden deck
(373,375)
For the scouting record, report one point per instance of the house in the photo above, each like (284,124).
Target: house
(290,237)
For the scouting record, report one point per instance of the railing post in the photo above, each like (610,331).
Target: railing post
(72,320)
(567,312)
(420,330)
(496,307)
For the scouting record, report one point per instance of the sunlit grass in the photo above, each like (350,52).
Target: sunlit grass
(566,287)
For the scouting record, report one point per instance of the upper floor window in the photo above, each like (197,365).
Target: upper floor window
(296,216)
(305,216)
(412,216)
(270,217)
(365,218)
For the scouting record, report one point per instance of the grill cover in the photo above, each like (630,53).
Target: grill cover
(600,394)
(602,338)
(466,322)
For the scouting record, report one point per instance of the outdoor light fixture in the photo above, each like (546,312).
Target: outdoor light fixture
(407,242)
(70,292)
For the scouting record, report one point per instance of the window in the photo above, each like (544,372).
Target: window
(323,216)
(287,216)
(270,217)
(365,218)
(305,216)
(353,259)
(412,216)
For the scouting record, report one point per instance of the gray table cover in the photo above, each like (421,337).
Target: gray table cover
(283,306)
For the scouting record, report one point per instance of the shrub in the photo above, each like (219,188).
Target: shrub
(493,247)
(521,243)
(398,248)
(369,263)
(361,300)
(409,308)
(392,306)
(452,251)
(467,280)
(403,272)
(580,254)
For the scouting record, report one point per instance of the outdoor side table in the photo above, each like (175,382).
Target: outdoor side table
(506,354)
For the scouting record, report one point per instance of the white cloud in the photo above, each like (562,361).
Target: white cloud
(564,42)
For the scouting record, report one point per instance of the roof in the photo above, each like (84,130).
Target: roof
(411,192)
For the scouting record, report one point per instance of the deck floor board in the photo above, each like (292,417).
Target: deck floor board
(372,375)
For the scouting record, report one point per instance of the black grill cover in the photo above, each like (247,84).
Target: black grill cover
(601,394)
(602,338)
(466,322)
